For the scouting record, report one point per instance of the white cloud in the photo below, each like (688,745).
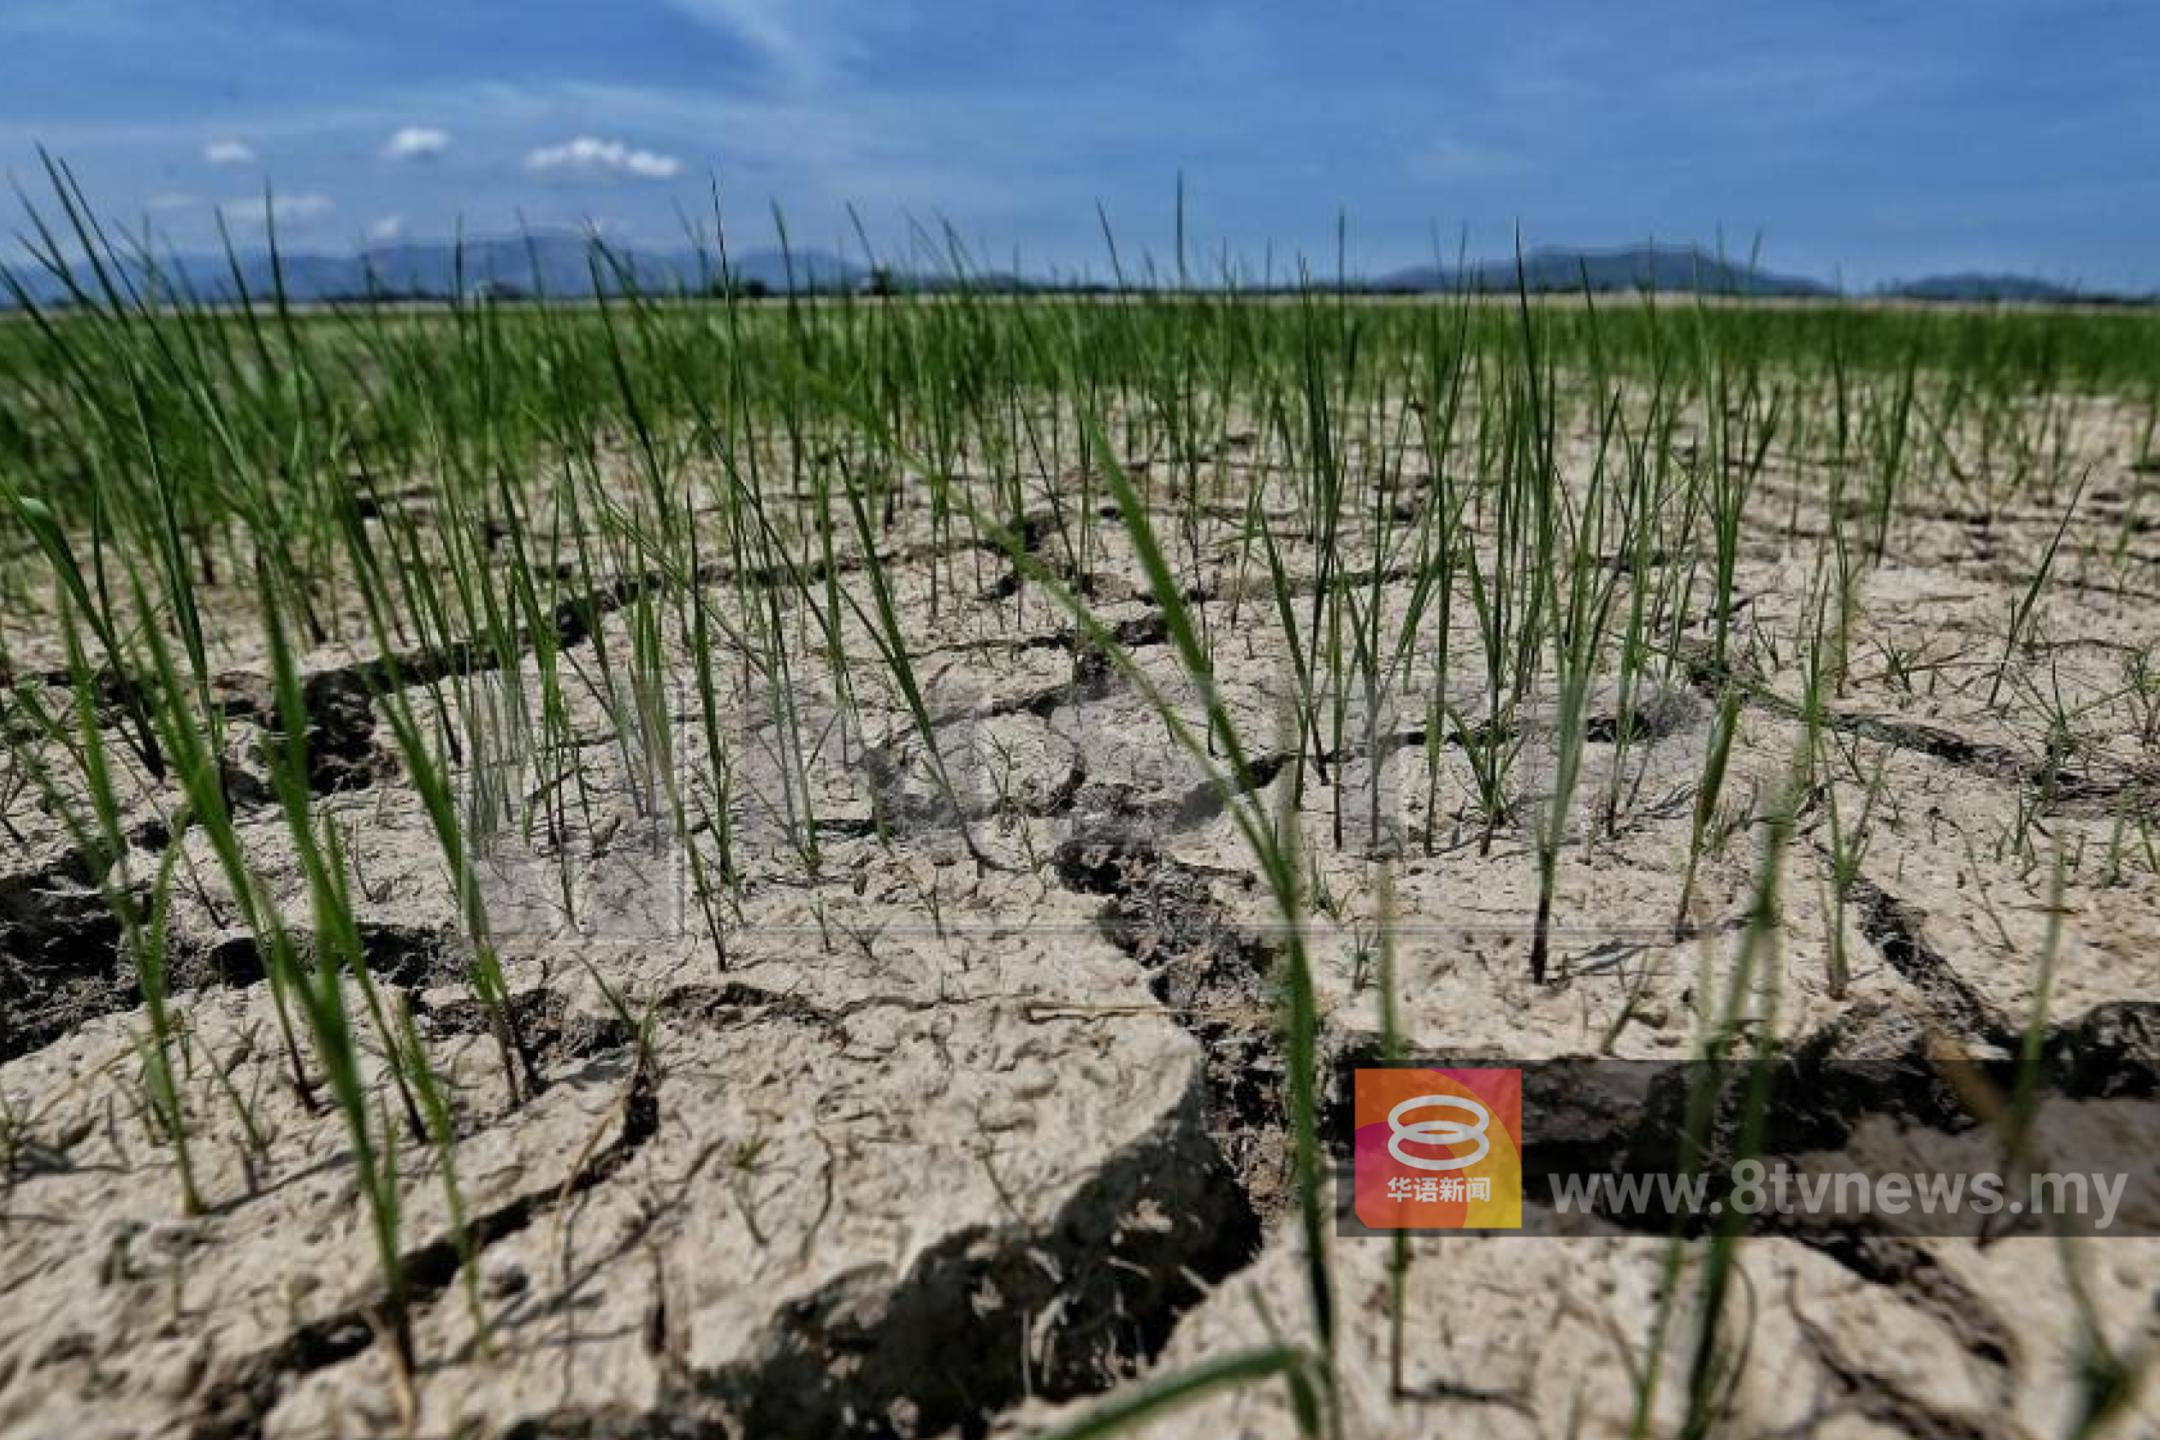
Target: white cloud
(168,200)
(385,228)
(285,209)
(801,46)
(983,154)
(588,155)
(416,142)
(773,28)
(228,152)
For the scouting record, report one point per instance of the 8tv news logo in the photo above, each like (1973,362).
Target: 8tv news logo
(1438,1149)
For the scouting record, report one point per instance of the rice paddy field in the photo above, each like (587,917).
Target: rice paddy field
(819,866)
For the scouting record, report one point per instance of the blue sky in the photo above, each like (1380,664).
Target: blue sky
(1868,138)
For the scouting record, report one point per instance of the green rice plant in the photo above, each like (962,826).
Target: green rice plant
(890,638)
(337,932)
(1154,1399)
(1578,618)
(148,948)
(719,765)
(2107,1377)
(1305,690)
(1747,1015)
(1889,435)
(442,1139)
(765,648)
(143,938)
(318,992)
(44,527)
(1848,848)
(1735,461)
(484,972)
(2025,1092)
(2021,609)
(1632,637)
(1438,407)
(1510,592)
(1393,1050)
(1707,793)
(182,734)
(338,955)
(374,1147)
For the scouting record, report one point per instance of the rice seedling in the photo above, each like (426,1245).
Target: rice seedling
(374,1148)
(1166,1394)
(1393,1050)
(442,1140)
(1850,836)
(143,936)
(1745,1016)
(485,970)
(1707,793)
(1578,617)
(2021,611)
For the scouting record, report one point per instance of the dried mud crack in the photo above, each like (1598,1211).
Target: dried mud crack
(1064,1304)
(1897,930)
(234,1406)
(1919,1279)
(1883,1400)
(60,955)
(2100,788)
(938,1351)
(1212,978)
(64,961)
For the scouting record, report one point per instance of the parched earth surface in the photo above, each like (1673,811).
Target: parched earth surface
(951,1123)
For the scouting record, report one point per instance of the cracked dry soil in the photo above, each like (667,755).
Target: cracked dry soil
(983,1117)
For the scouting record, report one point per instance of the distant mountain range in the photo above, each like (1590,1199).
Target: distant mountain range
(571,266)
(1687,269)
(1638,267)
(554,265)
(1969,287)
